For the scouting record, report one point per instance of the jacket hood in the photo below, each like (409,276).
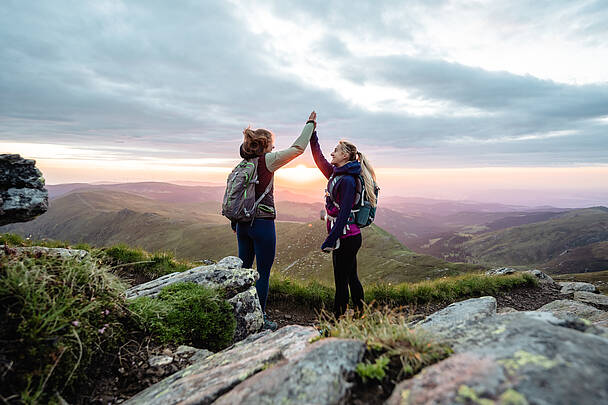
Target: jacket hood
(353,167)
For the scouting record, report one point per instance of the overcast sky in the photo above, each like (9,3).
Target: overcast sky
(415,84)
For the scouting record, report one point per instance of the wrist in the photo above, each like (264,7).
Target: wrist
(313,122)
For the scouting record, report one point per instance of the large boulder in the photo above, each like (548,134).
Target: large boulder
(267,368)
(22,193)
(228,275)
(513,358)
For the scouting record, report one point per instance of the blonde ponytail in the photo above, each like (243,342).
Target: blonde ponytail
(367,171)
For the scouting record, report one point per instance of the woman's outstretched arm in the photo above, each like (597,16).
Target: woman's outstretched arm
(326,168)
(275,160)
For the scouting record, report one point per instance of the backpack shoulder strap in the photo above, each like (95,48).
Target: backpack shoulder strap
(331,185)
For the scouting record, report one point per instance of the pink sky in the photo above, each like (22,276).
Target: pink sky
(559,186)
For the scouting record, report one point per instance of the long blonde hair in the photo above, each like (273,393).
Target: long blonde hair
(367,171)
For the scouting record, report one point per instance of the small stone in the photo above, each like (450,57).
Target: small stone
(288,317)
(159,361)
(185,350)
(167,352)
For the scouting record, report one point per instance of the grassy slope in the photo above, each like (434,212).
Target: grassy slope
(589,258)
(195,232)
(539,242)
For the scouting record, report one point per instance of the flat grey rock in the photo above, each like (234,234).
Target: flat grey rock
(232,280)
(591,298)
(519,358)
(572,286)
(158,361)
(318,375)
(462,313)
(206,380)
(570,308)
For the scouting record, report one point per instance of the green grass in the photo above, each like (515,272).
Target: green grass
(387,337)
(59,319)
(448,289)
(15,240)
(187,313)
(62,318)
(130,262)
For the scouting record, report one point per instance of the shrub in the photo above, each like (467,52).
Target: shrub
(187,313)
(59,318)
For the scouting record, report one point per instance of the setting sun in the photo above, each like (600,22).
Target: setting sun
(299,174)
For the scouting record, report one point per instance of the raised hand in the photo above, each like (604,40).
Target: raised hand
(313,116)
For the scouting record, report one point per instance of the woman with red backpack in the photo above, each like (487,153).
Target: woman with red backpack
(257,238)
(344,189)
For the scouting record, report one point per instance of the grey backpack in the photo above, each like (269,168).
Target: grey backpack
(239,202)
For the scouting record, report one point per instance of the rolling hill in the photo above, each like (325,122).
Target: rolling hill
(540,242)
(196,231)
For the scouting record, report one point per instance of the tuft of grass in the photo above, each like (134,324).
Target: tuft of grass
(128,261)
(187,313)
(387,335)
(60,318)
(316,295)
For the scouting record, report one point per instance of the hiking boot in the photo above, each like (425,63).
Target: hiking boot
(268,324)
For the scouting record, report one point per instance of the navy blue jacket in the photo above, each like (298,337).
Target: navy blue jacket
(343,192)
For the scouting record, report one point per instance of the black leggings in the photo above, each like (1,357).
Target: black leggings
(345,274)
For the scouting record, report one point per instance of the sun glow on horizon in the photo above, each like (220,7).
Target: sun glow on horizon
(299,174)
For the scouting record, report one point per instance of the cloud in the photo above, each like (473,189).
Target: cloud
(412,84)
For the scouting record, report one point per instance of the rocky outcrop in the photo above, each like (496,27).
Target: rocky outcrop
(227,275)
(519,358)
(22,193)
(572,286)
(267,368)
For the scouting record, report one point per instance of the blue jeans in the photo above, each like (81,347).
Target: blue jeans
(258,240)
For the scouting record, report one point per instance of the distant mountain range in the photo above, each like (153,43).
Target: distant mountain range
(108,215)
(185,219)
